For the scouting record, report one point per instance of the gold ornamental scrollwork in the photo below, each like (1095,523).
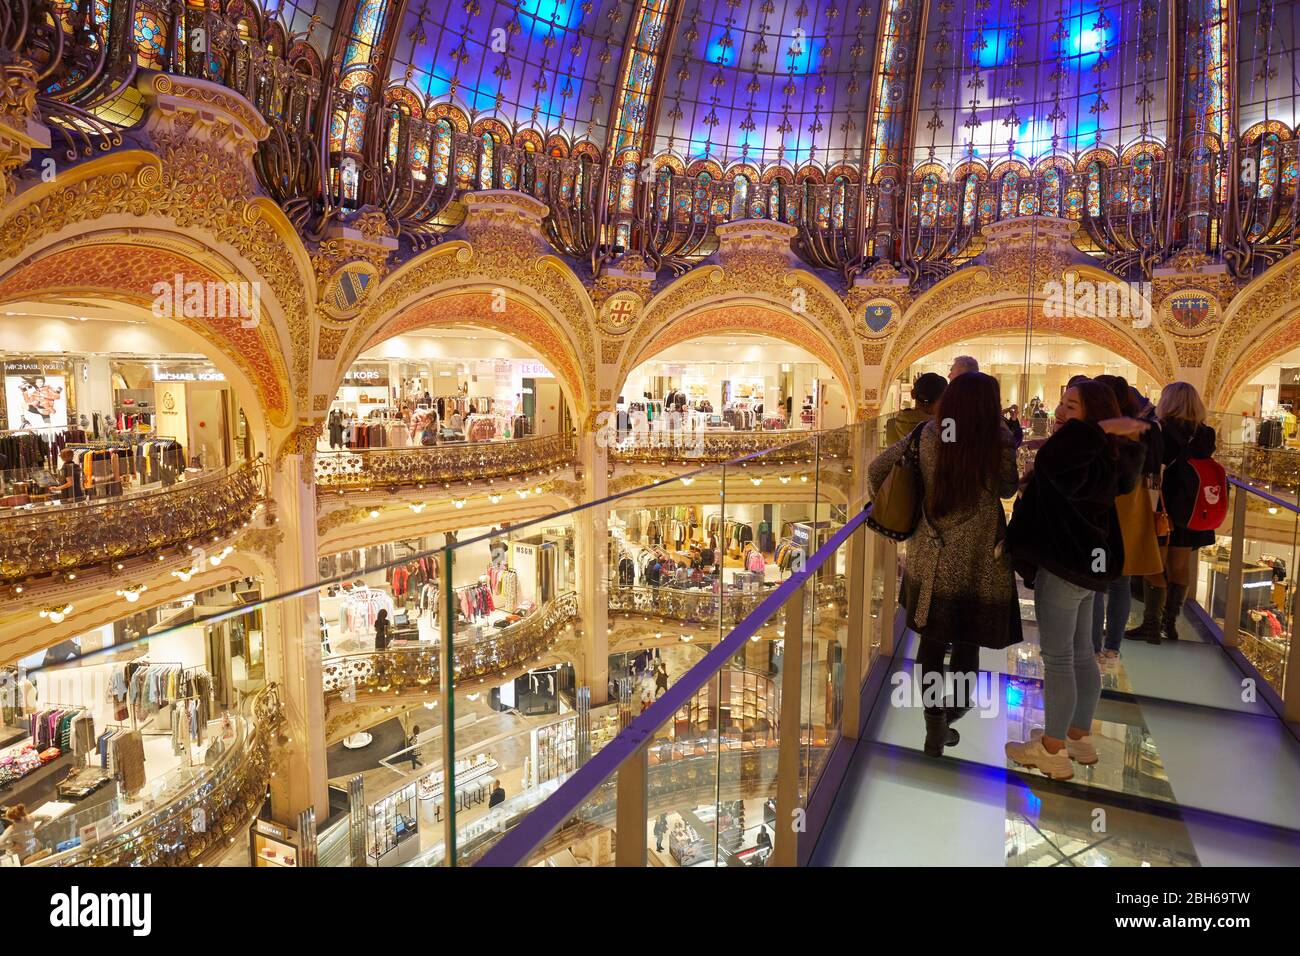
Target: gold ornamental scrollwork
(348,514)
(263,541)
(301,441)
(58,540)
(442,464)
(713,447)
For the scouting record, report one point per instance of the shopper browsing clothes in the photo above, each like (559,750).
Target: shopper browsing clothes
(958,585)
(1066,542)
(70,489)
(661,830)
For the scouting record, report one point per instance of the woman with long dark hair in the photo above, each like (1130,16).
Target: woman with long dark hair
(958,586)
(1066,542)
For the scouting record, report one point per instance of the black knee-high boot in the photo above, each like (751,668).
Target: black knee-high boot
(1173,610)
(1153,608)
(937,733)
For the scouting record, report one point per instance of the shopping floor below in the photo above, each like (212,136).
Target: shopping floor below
(1192,772)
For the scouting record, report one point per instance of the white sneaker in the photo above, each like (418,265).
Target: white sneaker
(1032,753)
(1080,751)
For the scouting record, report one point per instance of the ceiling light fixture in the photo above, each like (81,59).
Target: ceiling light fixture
(56,614)
(132,594)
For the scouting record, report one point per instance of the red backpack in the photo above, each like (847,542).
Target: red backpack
(1211,507)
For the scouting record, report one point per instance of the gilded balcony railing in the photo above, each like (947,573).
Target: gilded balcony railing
(47,539)
(693,606)
(411,667)
(699,447)
(440,464)
(197,826)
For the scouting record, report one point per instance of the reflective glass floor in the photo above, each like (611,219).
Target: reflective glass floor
(1192,771)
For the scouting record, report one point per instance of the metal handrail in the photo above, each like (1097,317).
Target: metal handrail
(1255,490)
(516,845)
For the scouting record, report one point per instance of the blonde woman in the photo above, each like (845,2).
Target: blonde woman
(20,837)
(1182,422)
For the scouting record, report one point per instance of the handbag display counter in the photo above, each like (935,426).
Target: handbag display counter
(271,844)
(392,830)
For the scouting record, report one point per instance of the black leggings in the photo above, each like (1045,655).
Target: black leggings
(965,659)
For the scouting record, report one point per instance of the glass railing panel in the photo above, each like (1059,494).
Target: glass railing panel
(1264,625)
(712,758)
(684,759)
(593,657)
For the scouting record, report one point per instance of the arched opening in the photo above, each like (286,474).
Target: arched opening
(1270,393)
(1028,381)
(446,385)
(733,381)
(99,374)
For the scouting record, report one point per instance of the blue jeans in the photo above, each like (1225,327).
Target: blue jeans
(1112,606)
(1071,678)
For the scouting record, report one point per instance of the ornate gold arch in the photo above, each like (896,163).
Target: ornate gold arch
(1261,322)
(1011,319)
(125,271)
(999,293)
(197,193)
(749,317)
(505,254)
(477,308)
(768,287)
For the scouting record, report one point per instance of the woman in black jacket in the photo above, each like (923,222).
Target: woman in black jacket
(1110,609)
(1182,421)
(1065,542)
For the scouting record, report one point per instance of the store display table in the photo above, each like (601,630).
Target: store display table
(357,741)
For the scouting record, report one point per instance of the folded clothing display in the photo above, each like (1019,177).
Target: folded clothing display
(82,783)
(19,763)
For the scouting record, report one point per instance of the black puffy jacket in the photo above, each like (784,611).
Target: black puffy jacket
(1065,520)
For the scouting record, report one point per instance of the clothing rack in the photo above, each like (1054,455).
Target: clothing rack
(55,705)
(144,663)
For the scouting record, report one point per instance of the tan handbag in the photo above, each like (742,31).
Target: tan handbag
(1162,523)
(896,510)
(1138,529)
